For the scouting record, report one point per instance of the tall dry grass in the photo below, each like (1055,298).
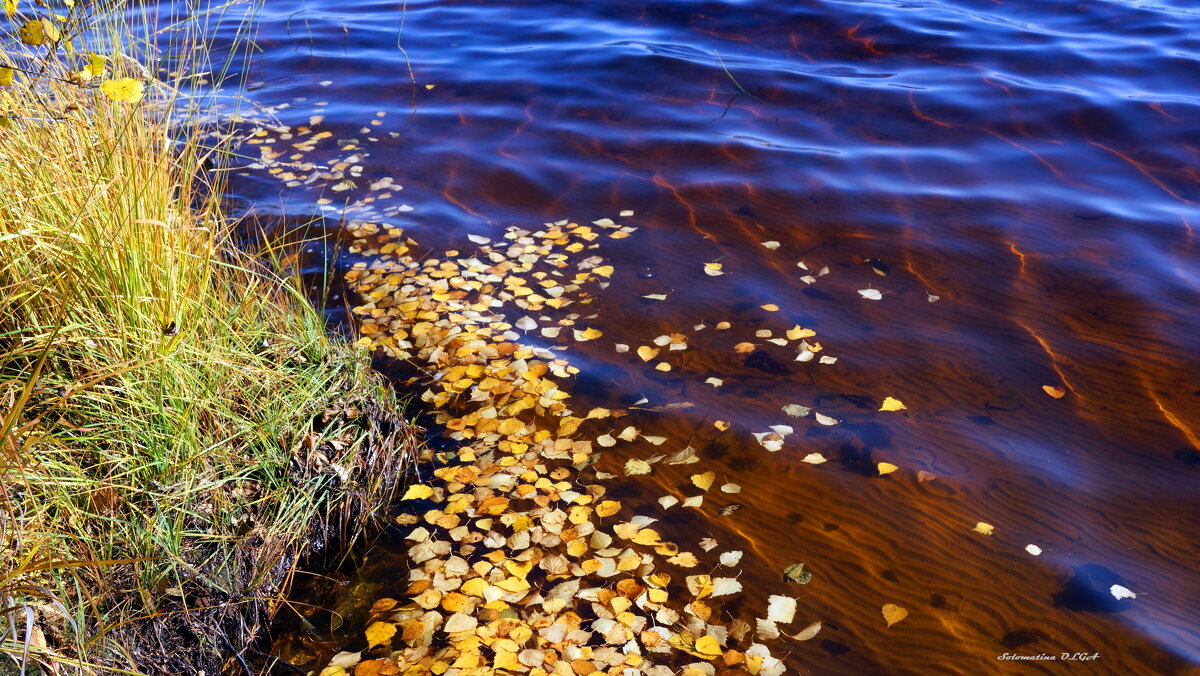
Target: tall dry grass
(175,425)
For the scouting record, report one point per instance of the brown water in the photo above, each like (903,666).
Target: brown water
(1031,166)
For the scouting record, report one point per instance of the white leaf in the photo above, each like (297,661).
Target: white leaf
(1120,592)
(814,459)
(824,419)
(772,245)
(723,586)
(1033,549)
(870,294)
(668,501)
(781,609)
(479,239)
(731,559)
(808,632)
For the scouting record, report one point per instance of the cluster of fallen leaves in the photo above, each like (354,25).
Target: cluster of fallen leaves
(306,155)
(520,561)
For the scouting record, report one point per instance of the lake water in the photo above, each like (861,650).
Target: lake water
(1035,166)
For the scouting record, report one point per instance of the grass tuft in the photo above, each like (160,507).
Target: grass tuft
(177,429)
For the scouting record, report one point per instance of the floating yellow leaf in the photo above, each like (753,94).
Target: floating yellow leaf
(771,307)
(713,269)
(647,536)
(892,404)
(704,481)
(417,492)
(123,89)
(721,425)
(893,613)
(984,528)
(608,508)
(588,334)
(647,353)
(1056,392)
(380,633)
(604,270)
(886,468)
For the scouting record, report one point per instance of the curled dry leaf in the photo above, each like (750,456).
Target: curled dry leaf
(1054,391)
(808,632)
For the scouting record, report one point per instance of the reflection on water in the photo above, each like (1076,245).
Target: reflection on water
(1030,164)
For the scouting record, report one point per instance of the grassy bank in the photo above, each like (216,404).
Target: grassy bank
(176,429)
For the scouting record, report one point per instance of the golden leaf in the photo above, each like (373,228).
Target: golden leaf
(380,633)
(10,7)
(1056,392)
(893,613)
(886,468)
(6,77)
(123,89)
(984,528)
(417,492)
(704,481)
(647,353)
(892,404)
(93,69)
(608,508)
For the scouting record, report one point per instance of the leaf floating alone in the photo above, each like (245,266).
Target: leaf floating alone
(893,613)
(796,573)
(892,404)
(924,476)
(1056,392)
(1120,592)
(886,468)
(1033,550)
(808,632)
(870,294)
(813,459)
(796,410)
(713,269)
(824,419)
(772,245)
(123,89)
(984,528)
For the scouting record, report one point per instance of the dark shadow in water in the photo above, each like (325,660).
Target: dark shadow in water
(1088,591)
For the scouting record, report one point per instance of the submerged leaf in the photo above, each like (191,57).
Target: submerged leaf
(796,573)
